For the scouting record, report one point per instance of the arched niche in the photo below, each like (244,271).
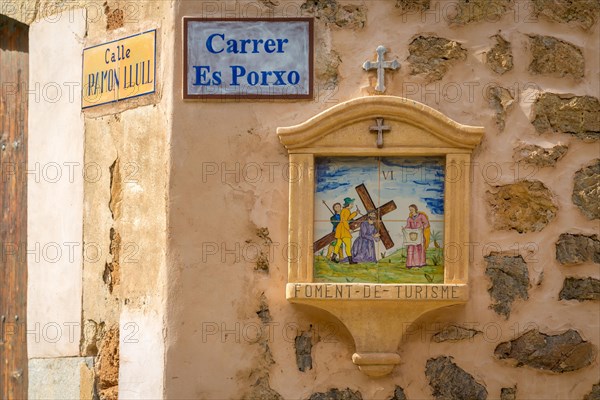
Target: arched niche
(377,313)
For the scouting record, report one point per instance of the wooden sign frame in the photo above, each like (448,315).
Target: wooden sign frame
(237,96)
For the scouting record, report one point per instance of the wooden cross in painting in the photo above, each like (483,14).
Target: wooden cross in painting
(367,201)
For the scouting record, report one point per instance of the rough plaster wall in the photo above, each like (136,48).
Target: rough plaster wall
(55,189)
(217,203)
(126,211)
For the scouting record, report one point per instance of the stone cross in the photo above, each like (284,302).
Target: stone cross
(379,128)
(367,201)
(381,66)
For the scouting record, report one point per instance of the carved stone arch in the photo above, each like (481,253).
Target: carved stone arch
(350,120)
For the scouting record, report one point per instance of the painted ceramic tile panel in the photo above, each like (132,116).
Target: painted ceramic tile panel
(379,220)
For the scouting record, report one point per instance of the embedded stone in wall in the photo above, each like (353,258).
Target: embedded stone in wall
(575,115)
(580,289)
(510,279)
(468,11)
(92,334)
(500,59)
(501,100)
(262,391)
(270,3)
(303,344)
(558,353)
(336,394)
(262,262)
(112,270)
(454,333)
(114,18)
(572,249)
(263,312)
(112,393)
(259,373)
(263,233)
(450,382)
(262,258)
(433,56)
(508,393)
(525,206)
(331,12)
(107,365)
(327,68)
(413,5)
(322,10)
(398,394)
(594,394)
(351,16)
(586,190)
(538,155)
(116,189)
(582,12)
(552,56)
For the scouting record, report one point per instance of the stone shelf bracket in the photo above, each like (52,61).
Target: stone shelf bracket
(378,314)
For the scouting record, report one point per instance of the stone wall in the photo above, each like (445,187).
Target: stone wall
(189,210)
(528,72)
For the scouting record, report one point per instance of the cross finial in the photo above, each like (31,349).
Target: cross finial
(381,65)
(380,128)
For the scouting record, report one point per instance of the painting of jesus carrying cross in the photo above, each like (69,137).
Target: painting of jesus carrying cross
(379,219)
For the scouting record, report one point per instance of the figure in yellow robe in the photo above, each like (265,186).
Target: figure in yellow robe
(335,220)
(343,234)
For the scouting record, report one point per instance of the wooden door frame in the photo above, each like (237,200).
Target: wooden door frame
(14,68)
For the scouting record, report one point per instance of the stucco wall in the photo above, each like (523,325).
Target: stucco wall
(55,189)
(219,300)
